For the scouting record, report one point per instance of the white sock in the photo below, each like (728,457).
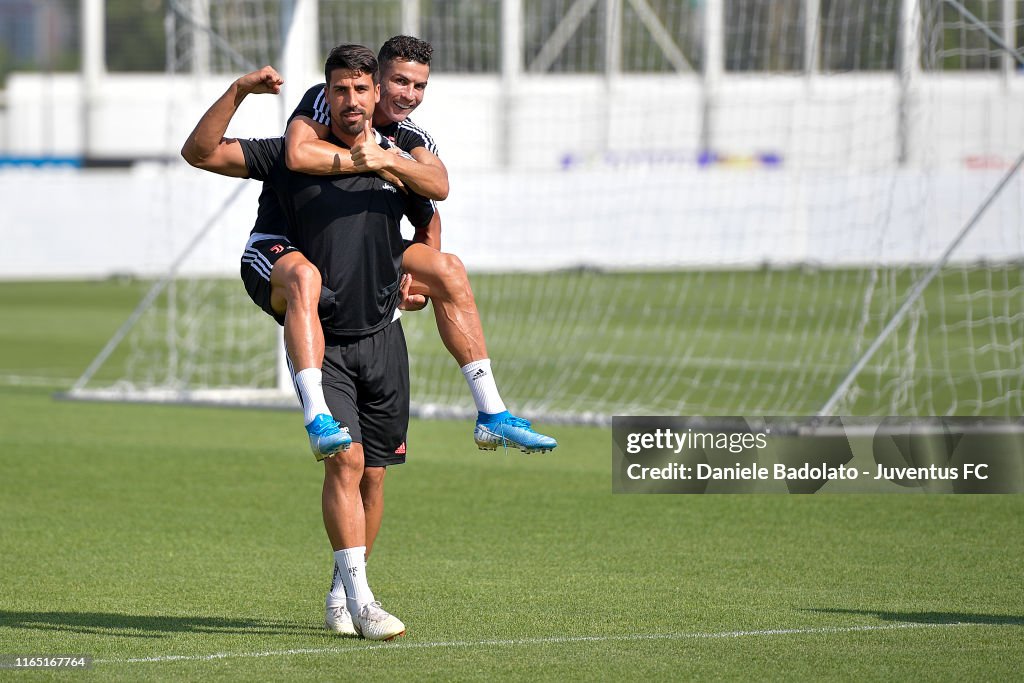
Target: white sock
(309,384)
(337,594)
(481,385)
(352,567)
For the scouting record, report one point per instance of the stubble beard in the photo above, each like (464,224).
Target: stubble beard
(354,128)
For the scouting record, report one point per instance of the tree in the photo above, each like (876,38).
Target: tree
(135,35)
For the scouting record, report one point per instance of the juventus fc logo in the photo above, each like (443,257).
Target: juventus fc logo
(277,248)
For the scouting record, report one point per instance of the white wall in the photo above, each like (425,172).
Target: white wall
(631,195)
(838,121)
(73,224)
(135,115)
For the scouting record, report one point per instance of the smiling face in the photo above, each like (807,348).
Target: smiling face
(403,85)
(352,96)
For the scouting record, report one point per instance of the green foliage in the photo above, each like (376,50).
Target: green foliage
(135,35)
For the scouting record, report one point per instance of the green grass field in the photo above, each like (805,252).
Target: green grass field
(173,542)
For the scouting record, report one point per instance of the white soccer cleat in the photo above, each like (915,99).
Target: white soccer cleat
(505,429)
(338,619)
(373,623)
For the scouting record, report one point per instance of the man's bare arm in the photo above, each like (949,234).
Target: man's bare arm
(424,174)
(430,234)
(206,147)
(306,149)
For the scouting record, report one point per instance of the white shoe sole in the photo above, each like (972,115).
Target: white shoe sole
(386,638)
(340,629)
(493,446)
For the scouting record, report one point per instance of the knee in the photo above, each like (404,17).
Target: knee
(345,469)
(454,277)
(372,483)
(302,280)
(307,278)
(371,488)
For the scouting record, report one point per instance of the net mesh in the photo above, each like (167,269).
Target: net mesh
(653,236)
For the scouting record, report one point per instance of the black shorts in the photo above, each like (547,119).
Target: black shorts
(366,384)
(258,259)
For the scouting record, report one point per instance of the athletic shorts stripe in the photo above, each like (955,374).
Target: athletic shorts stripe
(258,258)
(263,237)
(258,262)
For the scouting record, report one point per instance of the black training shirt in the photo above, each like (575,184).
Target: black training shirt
(348,226)
(405,135)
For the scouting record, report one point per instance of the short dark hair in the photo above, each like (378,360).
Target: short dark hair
(351,57)
(406,48)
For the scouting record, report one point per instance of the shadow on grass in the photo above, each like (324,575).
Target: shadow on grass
(930,617)
(145,626)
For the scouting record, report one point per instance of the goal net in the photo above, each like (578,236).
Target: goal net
(726,207)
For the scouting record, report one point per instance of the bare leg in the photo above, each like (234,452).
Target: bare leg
(443,278)
(295,292)
(346,527)
(372,490)
(342,501)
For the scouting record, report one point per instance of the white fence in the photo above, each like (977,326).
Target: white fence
(93,224)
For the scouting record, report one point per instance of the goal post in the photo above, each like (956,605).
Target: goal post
(731,207)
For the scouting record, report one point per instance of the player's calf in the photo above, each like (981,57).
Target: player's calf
(281,281)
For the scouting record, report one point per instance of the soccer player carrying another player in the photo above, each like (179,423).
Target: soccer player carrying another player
(348,226)
(290,289)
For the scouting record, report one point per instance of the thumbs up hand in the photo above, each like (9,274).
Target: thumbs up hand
(367,155)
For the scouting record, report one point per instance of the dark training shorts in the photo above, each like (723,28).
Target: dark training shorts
(258,259)
(366,384)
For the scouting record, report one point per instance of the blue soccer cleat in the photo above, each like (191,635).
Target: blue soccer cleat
(327,437)
(505,429)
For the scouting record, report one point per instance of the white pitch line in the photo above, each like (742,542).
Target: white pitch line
(523,641)
(34,381)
